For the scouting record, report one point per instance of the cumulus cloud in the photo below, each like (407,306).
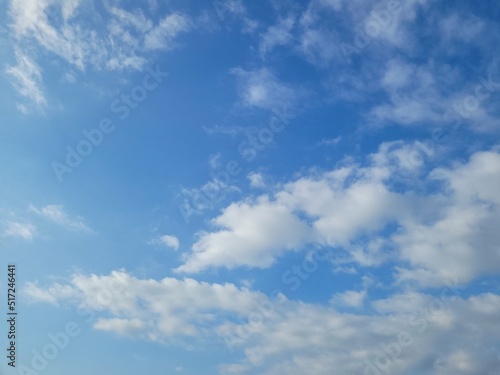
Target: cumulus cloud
(151,309)
(447,234)
(411,332)
(249,235)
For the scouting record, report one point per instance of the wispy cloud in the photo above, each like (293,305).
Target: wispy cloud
(57,215)
(162,36)
(24,230)
(26,77)
(122,44)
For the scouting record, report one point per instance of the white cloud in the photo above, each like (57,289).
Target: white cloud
(214,160)
(256,180)
(330,141)
(68,8)
(423,332)
(123,43)
(24,230)
(320,210)
(465,29)
(168,241)
(161,37)
(53,294)
(260,88)
(56,214)
(462,242)
(249,235)
(125,327)
(279,34)
(350,298)
(444,235)
(152,309)
(305,339)
(26,77)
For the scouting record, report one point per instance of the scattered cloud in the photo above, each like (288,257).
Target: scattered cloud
(23,230)
(168,241)
(260,88)
(122,44)
(279,34)
(256,180)
(57,215)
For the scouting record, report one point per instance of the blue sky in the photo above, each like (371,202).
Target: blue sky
(238,187)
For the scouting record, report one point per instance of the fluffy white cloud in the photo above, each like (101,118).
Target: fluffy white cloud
(445,332)
(447,234)
(462,241)
(152,309)
(168,241)
(249,235)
